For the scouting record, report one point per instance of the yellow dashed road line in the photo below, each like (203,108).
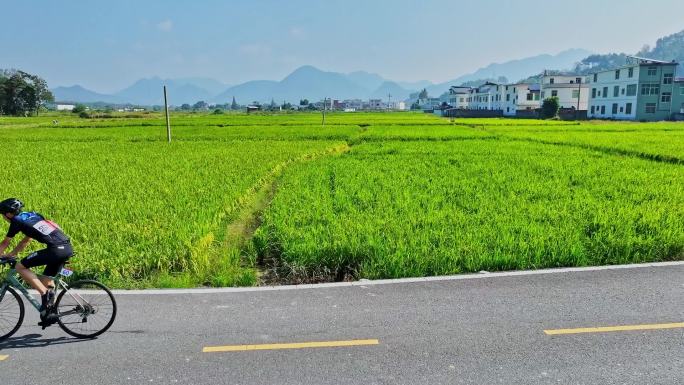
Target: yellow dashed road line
(299,345)
(623,328)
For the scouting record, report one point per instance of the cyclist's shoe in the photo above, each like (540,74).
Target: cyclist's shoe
(47,319)
(51,297)
(46,302)
(43,318)
(47,312)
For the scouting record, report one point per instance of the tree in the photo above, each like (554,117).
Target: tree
(234,105)
(286,106)
(79,108)
(304,102)
(22,93)
(185,107)
(550,107)
(644,51)
(201,105)
(594,63)
(423,94)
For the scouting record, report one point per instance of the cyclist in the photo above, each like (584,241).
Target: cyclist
(58,250)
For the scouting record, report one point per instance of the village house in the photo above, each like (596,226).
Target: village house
(488,96)
(641,90)
(572,92)
(458,97)
(521,97)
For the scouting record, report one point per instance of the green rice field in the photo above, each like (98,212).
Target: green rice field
(239,200)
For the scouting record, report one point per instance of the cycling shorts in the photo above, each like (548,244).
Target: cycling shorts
(53,258)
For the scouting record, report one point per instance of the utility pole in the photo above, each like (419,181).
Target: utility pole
(389,101)
(168,123)
(325,101)
(579,96)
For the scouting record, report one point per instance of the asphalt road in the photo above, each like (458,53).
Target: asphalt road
(487,330)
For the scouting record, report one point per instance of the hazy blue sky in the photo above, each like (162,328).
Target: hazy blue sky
(106,46)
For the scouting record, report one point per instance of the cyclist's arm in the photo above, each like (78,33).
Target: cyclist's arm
(20,247)
(4,244)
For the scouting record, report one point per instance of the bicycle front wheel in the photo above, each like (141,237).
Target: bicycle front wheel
(11,313)
(86,309)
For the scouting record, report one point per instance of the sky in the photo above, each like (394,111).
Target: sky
(107,45)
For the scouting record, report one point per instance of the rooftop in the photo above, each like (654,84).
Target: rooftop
(643,60)
(636,60)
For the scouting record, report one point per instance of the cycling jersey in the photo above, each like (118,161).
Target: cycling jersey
(35,226)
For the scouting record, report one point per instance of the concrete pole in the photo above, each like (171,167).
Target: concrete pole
(168,122)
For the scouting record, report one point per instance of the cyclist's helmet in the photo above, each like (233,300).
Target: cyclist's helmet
(11,206)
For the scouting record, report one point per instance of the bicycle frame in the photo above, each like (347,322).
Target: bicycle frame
(12,281)
(70,313)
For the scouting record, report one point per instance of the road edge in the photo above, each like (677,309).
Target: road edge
(481,275)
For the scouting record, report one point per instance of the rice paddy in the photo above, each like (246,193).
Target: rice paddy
(374,195)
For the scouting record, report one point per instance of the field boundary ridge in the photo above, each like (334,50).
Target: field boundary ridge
(363,282)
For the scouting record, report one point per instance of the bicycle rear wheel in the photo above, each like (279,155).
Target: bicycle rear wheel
(11,313)
(85,310)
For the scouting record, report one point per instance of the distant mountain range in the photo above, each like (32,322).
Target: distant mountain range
(516,70)
(146,92)
(308,82)
(79,94)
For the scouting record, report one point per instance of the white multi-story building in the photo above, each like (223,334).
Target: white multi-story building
(520,97)
(352,104)
(397,105)
(376,104)
(572,92)
(642,89)
(614,93)
(429,103)
(488,96)
(457,97)
(509,99)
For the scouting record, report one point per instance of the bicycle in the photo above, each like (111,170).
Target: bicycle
(84,309)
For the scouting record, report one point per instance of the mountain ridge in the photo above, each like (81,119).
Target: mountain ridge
(308,82)
(517,69)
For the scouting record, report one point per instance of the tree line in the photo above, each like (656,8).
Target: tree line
(22,94)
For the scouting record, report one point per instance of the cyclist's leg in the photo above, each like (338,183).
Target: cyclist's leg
(38,258)
(53,258)
(59,256)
